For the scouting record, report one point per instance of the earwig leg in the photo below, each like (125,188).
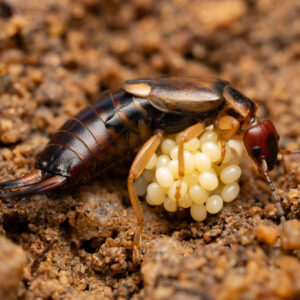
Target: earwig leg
(264,169)
(223,150)
(138,166)
(43,186)
(285,170)
(187,135)
(227,126)
(35,176)
(287,152)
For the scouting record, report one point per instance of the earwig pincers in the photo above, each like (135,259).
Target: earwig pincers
(141,113)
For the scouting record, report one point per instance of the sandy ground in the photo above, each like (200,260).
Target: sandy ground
(58,55)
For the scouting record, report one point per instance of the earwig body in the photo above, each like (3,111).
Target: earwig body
(118,123)
(141,112)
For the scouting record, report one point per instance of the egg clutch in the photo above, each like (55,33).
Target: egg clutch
(206,184)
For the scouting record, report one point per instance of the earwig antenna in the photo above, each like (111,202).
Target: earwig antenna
(264,169)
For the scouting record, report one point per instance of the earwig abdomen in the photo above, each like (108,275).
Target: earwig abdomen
(93,137)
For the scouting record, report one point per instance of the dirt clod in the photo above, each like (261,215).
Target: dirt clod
(266,233)
(290,238)
(12,263)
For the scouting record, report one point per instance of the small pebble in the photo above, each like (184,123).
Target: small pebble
(290,237)
(266,234)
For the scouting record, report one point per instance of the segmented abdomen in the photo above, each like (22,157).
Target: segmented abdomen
(97,136)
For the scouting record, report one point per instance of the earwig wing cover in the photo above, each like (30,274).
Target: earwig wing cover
(179,95)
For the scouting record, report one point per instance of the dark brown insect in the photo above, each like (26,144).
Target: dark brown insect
(141,113)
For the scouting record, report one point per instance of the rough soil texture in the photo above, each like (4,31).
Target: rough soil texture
(57,56)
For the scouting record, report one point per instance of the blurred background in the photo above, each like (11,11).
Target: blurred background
(56,56)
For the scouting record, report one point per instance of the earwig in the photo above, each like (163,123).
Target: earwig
(142,112)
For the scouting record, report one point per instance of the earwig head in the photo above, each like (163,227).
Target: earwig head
(261,142)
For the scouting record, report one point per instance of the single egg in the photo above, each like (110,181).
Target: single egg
(185,202)
(173,167)
(155,194)
(152,162)
(164,177)
(208,180)
(230,174)
(167,145)
(208,136)
(202,162)
(140,186)
(212,150)
(162,161)
(192,145)
(230,191)
(170,205)
(198,212)
(198,194)
(214,204)
(173,190)
(148,175)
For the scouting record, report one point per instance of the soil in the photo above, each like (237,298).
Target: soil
(56,56)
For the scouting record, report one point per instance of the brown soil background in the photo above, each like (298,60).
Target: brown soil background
(58,55)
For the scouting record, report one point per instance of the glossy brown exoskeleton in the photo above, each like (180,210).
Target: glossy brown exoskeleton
(141,113)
